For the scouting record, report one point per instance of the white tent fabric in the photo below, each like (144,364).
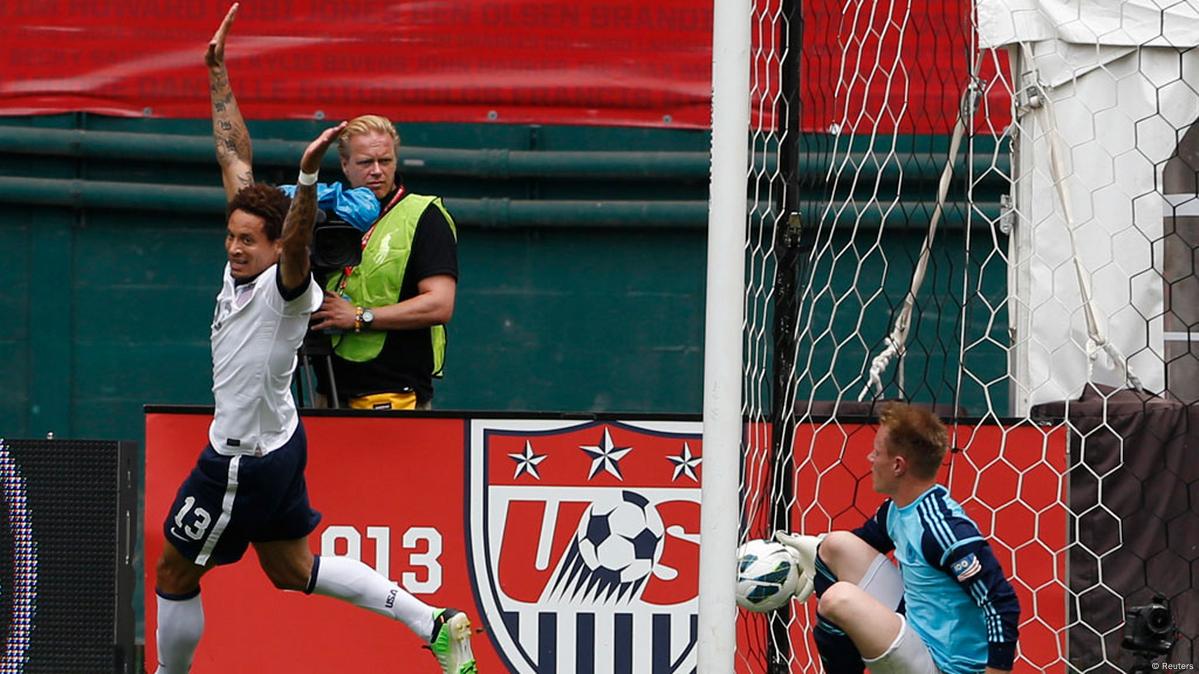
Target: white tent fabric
(1117,23)
(1120,108)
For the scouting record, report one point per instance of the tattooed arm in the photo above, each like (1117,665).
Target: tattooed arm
(297,226)
(233,151)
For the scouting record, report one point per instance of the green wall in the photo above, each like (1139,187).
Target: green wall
(582,278)
(112,312)
(107,309)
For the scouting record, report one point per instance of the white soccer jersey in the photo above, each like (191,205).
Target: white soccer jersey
(255,335)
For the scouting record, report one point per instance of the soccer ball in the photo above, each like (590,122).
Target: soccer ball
(620,536)
(767,576)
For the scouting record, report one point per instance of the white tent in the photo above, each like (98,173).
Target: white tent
(1117,85)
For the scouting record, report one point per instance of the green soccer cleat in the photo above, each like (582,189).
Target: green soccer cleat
(451,642)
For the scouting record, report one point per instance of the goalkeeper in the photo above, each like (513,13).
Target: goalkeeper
(947,607)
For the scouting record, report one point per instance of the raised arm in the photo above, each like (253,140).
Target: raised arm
(233,151)
(297,226)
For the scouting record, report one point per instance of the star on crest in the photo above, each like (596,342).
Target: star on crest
(527,461)
(685,463)
(606,456)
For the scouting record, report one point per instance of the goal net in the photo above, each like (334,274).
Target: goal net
(992,210)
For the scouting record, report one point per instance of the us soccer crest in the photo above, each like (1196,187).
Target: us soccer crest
(585,543)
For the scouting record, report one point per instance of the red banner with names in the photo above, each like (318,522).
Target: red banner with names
(587,62)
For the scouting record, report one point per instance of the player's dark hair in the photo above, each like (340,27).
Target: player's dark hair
(266,202)
(917,435)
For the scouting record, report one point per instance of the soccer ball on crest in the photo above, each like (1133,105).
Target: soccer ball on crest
(620,536)
(767,576)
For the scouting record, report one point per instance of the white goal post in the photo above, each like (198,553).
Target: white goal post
(722,335)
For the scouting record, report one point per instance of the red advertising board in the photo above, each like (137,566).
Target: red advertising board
(390,493)
(573,543)
(607,62)
(491,530)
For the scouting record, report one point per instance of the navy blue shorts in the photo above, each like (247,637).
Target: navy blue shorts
(228,502)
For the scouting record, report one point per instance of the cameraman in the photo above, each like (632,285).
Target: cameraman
(388,313)
(392,308)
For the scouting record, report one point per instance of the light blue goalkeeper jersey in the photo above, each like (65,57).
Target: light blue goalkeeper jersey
(956,596)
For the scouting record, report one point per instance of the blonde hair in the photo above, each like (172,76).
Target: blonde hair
(916,434)
(366,124)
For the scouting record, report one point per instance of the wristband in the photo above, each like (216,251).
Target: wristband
(307,178)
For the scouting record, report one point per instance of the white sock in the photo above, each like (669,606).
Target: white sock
(180,624)
(350,580)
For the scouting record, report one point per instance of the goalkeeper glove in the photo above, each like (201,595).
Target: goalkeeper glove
(803,551)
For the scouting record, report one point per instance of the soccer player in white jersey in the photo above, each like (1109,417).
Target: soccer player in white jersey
(947,608)
(248,485)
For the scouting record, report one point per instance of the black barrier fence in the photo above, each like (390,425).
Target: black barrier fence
(1135,522)
(67,521)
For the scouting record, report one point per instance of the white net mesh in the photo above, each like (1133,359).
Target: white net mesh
(993,217)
